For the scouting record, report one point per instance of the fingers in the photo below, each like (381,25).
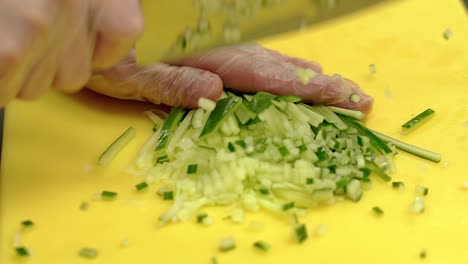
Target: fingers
(365,102)
(251,68)
(40,78)
(119,24)
(31,30)
(22,41)
(159,83)
(75,67)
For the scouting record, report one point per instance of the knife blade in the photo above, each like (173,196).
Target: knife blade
(177,28)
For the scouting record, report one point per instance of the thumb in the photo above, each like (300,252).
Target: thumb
(158,83)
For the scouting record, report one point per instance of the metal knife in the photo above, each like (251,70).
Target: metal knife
(177,28)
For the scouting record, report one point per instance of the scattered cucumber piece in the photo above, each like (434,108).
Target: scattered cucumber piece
(108,155)
(262,246)
(261,101)
(417,120)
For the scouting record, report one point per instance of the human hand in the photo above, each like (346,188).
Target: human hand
(48,43)
(246,68)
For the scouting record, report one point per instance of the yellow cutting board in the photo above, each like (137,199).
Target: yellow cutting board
(52,145)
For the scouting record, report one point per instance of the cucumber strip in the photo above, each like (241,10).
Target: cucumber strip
(158,121)
(180,131)
(223,108)
(108,155)
(315,119)
(374,140)
(206,104)
(346,112)
(281,105)
(289,98)
(248,97)
(353,190)
(380,172)
(417,151)
(145,157)
(329,116)
(168,127)
(243,113)
(417,120)
(261,101)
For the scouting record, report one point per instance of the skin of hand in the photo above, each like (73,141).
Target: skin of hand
(246,68)
(58,43)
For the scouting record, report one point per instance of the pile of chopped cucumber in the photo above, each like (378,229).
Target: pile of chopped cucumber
(265,152)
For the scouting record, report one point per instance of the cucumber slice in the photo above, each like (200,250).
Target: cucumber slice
(346,112)
(243,113)
(329,116)
(175,116)
(108,155)
(289,98)
(374,140)
(223,108)
(261,101)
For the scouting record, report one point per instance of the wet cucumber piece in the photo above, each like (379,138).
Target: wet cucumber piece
(417,120)
(375,141)
(243,113)
(175,116)
(223,108)
(289,98)
(261,101)
(108,155)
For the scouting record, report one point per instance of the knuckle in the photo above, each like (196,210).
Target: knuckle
(71,84)
(40,24)
(130,29)
(11,57)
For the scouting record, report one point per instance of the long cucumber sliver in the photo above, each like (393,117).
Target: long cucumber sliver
(329,116)
(417,120)
(108,155)
(346,112)
(223,108)
(261,101)
(417,151)
(171,122)
(375,141)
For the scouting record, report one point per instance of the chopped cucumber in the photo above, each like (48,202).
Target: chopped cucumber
(262,151)
(262,246)
(421,190)
(300,232)
(355,98)
(398,185)
(261,101)
(305,74)
(168,127)
(227,244)
(346,112)
(289,98)
(375,141)
(108,155)
(223,108)
(417,206)
(377,210)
